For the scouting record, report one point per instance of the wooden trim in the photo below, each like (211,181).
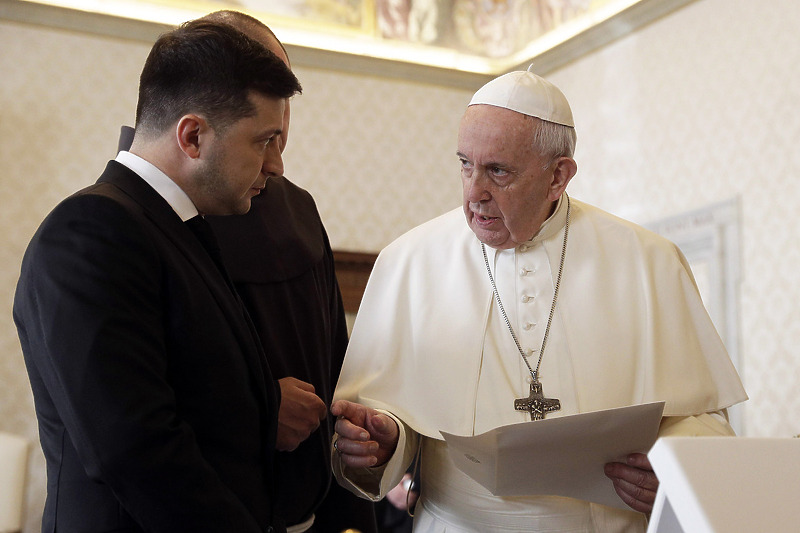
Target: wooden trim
(352,271)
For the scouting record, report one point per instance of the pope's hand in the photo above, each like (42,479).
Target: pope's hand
(300,413)
(365,436)
(634,482)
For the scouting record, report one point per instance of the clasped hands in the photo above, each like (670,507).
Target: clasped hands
(367,438)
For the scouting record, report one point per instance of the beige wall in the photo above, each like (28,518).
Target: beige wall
(698,107)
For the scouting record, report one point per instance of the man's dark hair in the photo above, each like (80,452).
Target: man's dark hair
(209,69)
(248,24)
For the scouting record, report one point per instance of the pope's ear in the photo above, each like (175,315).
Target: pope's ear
(563,170)
(189,134)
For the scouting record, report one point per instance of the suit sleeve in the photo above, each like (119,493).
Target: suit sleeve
(96,324)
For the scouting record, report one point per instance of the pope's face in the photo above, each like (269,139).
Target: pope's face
(241,158)
(506,183)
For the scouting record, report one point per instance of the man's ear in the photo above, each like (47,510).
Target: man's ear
(189,133)
(563,170)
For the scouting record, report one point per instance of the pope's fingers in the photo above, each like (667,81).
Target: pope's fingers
(634,496)
(345,428)
(347,446)
(384,429)
(349,410)
(639,460)
(355,461)
(337,407)
(383,424)
(639,476)
(642,489)
(356,453)
(635,486)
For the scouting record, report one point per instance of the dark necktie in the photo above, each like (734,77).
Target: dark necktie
(202,230)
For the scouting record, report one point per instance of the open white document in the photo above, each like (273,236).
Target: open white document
(558,456)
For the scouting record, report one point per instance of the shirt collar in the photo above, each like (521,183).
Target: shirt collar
(553,224)
(163,185)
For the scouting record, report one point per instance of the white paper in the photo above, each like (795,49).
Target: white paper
(558,456)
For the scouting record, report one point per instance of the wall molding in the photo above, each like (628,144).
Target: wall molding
(548,53)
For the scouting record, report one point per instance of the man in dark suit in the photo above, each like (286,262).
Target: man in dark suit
(157,409)
(281,263)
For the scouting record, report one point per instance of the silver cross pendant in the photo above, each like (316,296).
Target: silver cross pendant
(536,404)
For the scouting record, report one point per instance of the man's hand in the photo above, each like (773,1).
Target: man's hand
(300,413)
(365,436)
(634,482)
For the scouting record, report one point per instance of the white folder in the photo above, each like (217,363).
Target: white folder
(726,485)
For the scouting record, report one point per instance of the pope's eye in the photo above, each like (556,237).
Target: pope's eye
(497,171)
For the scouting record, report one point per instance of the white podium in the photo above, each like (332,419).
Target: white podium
(726,485)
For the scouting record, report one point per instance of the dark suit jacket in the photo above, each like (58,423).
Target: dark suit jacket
(157,411)
(280,259)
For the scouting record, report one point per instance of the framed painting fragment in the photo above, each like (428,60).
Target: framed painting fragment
(486,37)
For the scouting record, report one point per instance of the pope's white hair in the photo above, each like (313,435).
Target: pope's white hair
(554,140)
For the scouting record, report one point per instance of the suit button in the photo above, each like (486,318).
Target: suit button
(269,529)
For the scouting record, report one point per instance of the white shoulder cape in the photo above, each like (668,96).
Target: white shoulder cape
(629,320)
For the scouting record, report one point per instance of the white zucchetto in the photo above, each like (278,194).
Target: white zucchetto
(526,93)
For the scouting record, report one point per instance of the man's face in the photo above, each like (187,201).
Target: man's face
(241,158)
(506,183)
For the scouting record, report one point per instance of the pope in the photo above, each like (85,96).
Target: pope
(540,306)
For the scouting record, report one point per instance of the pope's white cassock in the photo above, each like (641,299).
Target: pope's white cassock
(430,347)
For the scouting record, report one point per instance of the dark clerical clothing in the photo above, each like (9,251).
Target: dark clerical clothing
(281,262)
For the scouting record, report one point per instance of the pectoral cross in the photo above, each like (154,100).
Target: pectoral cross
(536,404)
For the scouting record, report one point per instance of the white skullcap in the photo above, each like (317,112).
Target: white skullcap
(526,93)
